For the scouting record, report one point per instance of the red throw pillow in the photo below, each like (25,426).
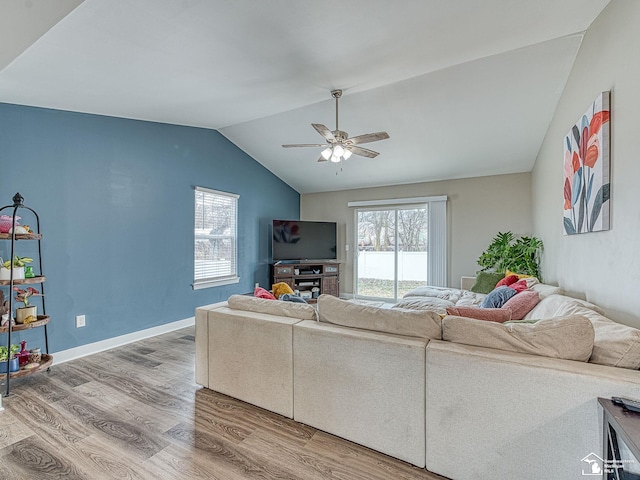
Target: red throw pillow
(519,286)
(262,293)
(506,281)
(499,315)
(521,304)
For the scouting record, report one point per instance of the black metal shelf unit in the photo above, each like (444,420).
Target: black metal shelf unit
(18,203)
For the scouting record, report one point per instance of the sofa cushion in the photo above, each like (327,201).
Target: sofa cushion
(508,280)
(260,292)
(414,323)
(521,304)
(545,290)
(569,338)
(615,344)
(499,315)
(450,294)
(486,281)
(272,307)
(438,305)
(498,297)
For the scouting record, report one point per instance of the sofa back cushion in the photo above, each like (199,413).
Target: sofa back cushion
(615,344)
(413,323)
(569,338)
(272,307)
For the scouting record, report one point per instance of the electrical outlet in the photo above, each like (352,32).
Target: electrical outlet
(80,321)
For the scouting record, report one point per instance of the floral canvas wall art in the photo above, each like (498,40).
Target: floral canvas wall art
(586,171)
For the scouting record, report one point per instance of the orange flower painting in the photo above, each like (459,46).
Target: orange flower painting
(586,171)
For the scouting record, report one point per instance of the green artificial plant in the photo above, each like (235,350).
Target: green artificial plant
(6,354)
(508,252)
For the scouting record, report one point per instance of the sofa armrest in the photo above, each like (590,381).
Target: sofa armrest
(512,415)
(202,342)
(467,282)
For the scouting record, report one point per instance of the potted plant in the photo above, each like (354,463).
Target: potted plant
(18,268)
(8,358)
(508,252)
(28,313)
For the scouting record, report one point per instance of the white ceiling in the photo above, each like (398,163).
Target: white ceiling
(464,88)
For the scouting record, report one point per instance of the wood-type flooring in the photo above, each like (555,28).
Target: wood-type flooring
(134,412)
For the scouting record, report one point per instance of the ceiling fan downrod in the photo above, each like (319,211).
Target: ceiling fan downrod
(336,94)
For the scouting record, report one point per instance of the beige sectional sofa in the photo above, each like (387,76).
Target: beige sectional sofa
(384,378)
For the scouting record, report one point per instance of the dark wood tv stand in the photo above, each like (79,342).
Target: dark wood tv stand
(303,276)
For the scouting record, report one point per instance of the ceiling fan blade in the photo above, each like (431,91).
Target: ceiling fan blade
(322,159)
(305,145)
(368,137)
(363,152)
(324,131)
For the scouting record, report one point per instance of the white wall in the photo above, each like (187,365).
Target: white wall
(477,209)
(604,267)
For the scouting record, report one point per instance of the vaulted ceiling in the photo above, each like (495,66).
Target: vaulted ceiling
(464,88)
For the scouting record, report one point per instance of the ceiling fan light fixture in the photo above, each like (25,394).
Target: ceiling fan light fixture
(346,154)
(338,151)
(335,158)
(326,153)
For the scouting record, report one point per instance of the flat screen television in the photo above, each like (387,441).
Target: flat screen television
(301,240)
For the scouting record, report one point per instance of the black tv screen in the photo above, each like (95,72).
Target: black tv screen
(300,240)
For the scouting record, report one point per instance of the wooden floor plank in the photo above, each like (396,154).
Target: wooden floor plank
(135,413)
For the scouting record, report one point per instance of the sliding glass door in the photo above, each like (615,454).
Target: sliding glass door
(391,251)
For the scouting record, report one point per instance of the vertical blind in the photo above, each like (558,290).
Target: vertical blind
(215,238)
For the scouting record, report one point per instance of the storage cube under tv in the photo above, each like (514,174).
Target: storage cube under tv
(322,275)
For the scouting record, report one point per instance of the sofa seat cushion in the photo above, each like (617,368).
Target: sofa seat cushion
(272,307)
(569,338)
(413,323)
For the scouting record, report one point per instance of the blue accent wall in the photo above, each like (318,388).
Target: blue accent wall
(116,205)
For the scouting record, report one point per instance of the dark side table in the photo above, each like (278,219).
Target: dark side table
(620,425)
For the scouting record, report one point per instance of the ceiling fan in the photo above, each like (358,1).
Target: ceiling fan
(339,145)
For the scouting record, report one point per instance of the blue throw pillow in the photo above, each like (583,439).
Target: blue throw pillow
(498,297)
(287,297)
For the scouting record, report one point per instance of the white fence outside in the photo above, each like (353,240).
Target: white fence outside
(411,265)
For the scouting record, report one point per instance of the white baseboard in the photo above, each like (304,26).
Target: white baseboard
(84,350)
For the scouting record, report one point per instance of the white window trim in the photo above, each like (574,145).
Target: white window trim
(229,280)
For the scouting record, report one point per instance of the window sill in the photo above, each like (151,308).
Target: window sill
(215,283)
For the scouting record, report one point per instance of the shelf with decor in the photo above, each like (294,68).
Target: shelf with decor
(309,279)
(24,281)
(16,274)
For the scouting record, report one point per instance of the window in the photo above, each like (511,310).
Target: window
(215,253)
(401,244)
